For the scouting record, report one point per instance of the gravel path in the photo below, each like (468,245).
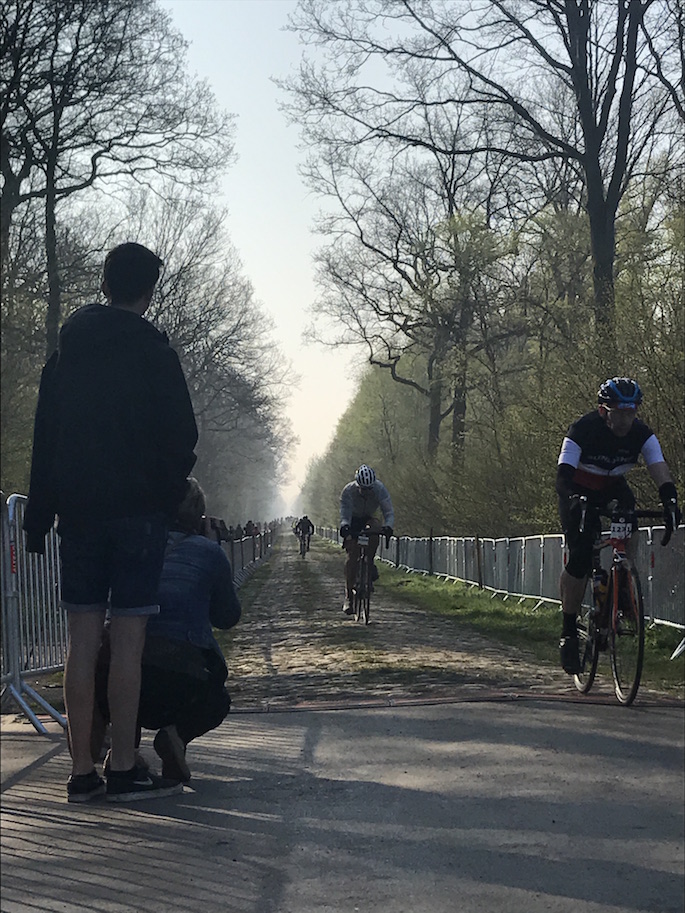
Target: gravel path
(295,646)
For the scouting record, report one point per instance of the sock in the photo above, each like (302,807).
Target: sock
(568,628)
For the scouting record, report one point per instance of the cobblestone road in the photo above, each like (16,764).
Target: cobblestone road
(295,646)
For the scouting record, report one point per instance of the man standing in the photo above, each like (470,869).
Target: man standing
(113,446)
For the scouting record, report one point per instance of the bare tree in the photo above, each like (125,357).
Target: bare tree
(409,271)
(496,66)
(97,91)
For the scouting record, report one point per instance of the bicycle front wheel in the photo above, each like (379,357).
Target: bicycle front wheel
(589,650)
(366,575)
(627,634)
(361,592)
(358,599)
(366,606)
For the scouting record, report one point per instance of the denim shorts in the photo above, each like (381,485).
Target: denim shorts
(113,564)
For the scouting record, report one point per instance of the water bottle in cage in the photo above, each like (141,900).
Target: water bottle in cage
(599,586)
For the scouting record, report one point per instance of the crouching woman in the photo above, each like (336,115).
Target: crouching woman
(183,690)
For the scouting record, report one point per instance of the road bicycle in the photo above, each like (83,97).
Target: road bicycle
(615,621)
(303,542)
(363,586)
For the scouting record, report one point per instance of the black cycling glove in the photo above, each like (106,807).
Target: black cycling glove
(344,531)
(669,498)
(575,506)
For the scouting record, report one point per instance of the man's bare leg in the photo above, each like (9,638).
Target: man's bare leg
(85,634)
(127,639)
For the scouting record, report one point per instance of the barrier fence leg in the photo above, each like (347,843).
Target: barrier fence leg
(679,650)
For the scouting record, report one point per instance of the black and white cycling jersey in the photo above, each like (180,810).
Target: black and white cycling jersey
(599,457)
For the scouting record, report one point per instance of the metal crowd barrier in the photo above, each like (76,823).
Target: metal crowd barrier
(34,633)
(529,567)
(34,625)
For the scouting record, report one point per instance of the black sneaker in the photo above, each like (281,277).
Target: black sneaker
(171,749)
(139,783)
(347,607)
(570,657)
(84,787)
(139,759)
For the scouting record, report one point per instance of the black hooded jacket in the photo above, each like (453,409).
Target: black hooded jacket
(114,430)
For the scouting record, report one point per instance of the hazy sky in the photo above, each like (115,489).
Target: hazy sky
(237,45)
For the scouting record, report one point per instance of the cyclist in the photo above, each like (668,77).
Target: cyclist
(304,527)
(599,448)
(359,501)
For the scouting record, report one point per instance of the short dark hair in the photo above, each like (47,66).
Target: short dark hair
(130,271)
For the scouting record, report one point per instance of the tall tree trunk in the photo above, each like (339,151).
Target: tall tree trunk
(434,419)
(52,316)
(603,254)
(9,197)
(434,403)
(459,420)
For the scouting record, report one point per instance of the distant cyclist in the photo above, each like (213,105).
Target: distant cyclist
(359,502)
(304,527)
(598,450)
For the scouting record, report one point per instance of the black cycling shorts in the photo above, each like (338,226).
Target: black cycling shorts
(579,563)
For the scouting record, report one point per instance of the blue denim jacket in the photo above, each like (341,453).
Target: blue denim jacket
(196,592)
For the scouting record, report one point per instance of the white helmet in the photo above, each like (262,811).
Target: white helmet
(365,476)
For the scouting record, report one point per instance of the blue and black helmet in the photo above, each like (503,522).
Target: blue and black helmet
(620,393)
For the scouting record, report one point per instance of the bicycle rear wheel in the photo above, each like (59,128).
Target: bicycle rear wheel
(589,650)
(627,634)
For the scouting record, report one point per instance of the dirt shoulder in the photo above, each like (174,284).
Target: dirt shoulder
(294,646)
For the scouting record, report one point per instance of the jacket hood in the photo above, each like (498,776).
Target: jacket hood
(96,326)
